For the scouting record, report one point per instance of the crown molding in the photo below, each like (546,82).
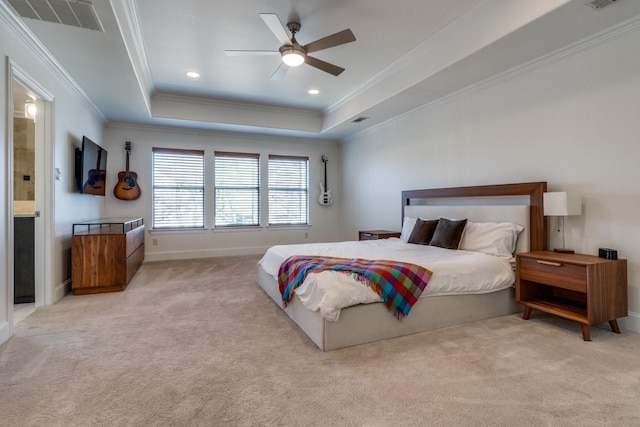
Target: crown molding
(232,113)
(127,18)
(16,25)
(588,43)
(196,100)
(629,26)
(243,136)
(408,59)
(468,35)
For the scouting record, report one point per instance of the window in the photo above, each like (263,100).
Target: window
(178,188)
(237,189)
(288,190)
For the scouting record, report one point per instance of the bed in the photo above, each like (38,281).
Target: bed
(519,203)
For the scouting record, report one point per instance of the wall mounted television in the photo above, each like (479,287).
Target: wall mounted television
(91,168)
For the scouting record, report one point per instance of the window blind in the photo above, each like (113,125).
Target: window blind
(237,189)
(288,190)
(178,188)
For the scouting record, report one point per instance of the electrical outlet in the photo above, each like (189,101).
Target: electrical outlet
(306,235)
(154,242)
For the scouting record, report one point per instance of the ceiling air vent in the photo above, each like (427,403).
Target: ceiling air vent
(600,4)
(359,119)
(68,12)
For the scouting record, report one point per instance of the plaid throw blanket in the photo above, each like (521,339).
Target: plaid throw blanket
(398,283)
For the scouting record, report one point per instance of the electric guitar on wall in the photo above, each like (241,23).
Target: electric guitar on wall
(127,187)
(325,194)
(95,179)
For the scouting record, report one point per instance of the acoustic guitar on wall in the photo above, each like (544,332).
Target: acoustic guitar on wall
(325,194)
(127,187)
(95,183)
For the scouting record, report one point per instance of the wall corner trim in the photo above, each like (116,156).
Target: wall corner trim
(22,32)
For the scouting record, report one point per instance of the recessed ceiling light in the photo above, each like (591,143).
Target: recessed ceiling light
(193,74)
(313,91)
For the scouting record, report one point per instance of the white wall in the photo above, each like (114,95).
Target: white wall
(325,220)
(574,123)
(71,118)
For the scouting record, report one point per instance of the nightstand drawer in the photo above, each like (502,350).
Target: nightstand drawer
(558,274)
(377,234)
(364,235)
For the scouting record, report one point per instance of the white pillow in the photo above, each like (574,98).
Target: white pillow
(407,227)
(491,238)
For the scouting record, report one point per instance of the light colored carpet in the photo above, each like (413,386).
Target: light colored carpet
(198,343)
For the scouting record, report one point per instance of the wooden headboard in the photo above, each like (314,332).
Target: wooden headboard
(534,190)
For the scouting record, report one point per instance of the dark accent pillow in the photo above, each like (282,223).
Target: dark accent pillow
(423,231)
(448,233)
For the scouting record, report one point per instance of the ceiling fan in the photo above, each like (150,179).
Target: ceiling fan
(293,54)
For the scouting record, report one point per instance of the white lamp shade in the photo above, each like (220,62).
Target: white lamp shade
(562,204)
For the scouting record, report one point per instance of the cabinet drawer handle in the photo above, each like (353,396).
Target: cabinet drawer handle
(554,264)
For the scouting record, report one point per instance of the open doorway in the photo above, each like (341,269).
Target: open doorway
(25,108)
(31,192)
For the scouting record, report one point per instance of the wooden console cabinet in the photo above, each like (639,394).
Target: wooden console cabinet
(584,288)
(105,254)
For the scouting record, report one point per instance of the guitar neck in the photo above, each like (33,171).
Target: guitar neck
(325,175)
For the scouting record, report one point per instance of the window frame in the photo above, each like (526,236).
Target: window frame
(301,189)
(256,204)
(198,187)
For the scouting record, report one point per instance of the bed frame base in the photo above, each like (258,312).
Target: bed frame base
(365,323)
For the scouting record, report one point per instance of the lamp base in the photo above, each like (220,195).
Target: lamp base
(564,251)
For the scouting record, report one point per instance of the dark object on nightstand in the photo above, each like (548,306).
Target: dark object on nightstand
(377,234)
(607,253)
(584,288)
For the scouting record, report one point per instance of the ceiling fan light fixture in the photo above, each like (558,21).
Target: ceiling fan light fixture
(292,53)
(292,56)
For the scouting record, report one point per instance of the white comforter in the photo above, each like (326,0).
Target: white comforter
(454,272)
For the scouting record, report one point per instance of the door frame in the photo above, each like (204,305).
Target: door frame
(44,194)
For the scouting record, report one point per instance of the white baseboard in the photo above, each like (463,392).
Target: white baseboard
(5,332)
(631,322)
(61,290)
(206,253)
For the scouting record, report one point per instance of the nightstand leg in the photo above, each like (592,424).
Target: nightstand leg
(614,326)
(586,332)
(527,313)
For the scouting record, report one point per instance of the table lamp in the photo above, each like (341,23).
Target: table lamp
(562,204)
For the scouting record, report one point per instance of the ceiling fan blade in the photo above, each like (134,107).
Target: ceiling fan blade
(276,27)
(251,52)
(280,71)
(324,66)
(345,36)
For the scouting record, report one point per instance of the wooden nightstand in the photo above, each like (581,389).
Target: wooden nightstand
(377,234)
(584,288)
